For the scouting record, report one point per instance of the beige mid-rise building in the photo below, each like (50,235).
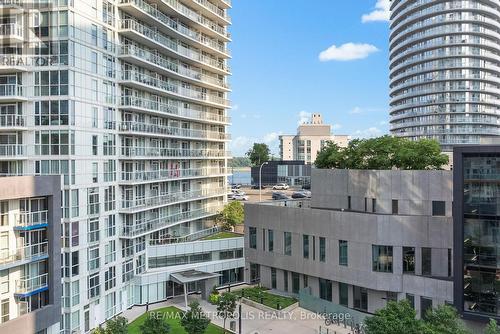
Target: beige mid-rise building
(309,140)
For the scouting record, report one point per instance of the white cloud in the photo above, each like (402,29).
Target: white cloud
(356,110)
(347,51)
(270,137)
(367,133)
(235,107)
(304,117)
(336,126)
(381,12)
(240,143)
(382,123)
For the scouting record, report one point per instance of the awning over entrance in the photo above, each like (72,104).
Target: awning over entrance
(189,276)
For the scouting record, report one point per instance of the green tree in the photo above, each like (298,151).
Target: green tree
(384,152)
(117,325)
(195,321)
(443,320)
(492,327)
(395,318)
(226,307)
(240,162)
(155,324)
(232,215)
(258,154)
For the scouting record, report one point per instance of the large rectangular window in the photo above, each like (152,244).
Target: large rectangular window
(273,278)
(322,249)
(382,258)
(270,240)
(285,280)
(305,246)
(252,237)
(438,208)
(343,253)
(360,298)
(343,294)
(425,305)
(287,238)
(395,207)
(295,282)
(409,260)
(325,289)
(426,261)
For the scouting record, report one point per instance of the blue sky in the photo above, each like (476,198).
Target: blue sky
(295,57)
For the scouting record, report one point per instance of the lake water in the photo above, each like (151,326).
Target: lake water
(240,176)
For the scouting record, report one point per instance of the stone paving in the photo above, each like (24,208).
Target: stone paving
(255,321)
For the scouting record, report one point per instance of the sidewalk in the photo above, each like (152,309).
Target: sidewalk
(254,321)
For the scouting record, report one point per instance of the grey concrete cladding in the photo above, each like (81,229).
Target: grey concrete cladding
(414,226)
(18,187)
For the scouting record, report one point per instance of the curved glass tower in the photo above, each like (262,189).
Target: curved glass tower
(445,70)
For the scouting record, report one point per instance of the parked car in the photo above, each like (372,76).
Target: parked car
(235,186)
(256,186)
(306,186)
(279,196)
(239,197)
(237,192)
(301,194)
(280,186)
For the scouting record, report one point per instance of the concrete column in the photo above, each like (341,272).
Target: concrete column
(185,295)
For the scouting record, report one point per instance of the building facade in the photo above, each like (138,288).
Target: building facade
(291,172)
(365,238)
(30,254)
(444,69)
(128,101)
(476,239)
(310,139)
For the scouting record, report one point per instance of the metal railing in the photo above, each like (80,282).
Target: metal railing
(11,90)
(164,108)
(26,219)
(130,151)
(11,121)
(147,202)
(172,131)
(185,238)
(214,9)
(165,222)
(29,284)
(11,150)
(169,174)
(24,253)
(11,29)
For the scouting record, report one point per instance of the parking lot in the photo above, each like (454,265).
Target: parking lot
(253,194)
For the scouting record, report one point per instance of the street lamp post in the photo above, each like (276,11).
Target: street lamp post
(260,180)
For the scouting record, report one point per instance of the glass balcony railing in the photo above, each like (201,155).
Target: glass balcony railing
(165,199)
(180,29)
(165,108)
(214,9)
(173,88)
(171,44)
(184,238)
(165,222)
(12,150)
(10,121)
(10,90)
(11,30)
(171,174)
(24,253)
(132,50)
(26,219)
(130,151)
(172,131)
(29,284)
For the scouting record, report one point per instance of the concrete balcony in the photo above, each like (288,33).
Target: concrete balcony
(150,14)
(208,26)
(156,40)
(158,63)
(12,152)
(26,221)
(185,238)
(160,223)
(214,12)
(23,255)
(155,130)
(11,33)
(11,6)
(11,93)
(141,204)
(171,174)
(28,286)
(12,123)
(127,152)
(163,109)
(157,86)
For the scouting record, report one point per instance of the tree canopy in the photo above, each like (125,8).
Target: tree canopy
(117,325)
(194,320)
(155,324)
(258,154)
(239,162)
(384,152)
(232,215)
(226,307)
(400,317)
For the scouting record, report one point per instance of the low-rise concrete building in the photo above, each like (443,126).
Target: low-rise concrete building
(365,238)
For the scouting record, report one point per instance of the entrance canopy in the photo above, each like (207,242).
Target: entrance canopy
(188,276)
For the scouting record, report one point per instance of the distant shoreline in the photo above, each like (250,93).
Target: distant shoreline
(239,169)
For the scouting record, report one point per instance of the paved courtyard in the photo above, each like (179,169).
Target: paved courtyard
(254,321)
